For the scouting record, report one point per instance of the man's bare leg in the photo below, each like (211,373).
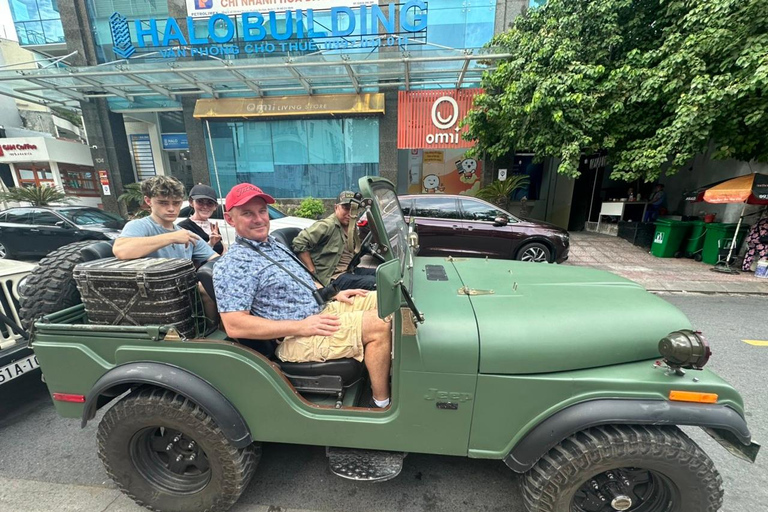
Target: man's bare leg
(377,340)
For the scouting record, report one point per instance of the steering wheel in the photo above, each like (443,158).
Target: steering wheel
(365,248)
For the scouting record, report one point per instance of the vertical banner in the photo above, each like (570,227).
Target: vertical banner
(104,180)
(143,159)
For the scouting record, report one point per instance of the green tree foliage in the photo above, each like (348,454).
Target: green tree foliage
(500,192)
(310,208)
(654,82)
(36,196)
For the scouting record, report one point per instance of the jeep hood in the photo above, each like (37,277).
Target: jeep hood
(544,318)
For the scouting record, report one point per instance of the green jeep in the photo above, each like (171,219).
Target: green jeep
(535,365)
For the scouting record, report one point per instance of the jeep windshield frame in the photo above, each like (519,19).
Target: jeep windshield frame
(386,220)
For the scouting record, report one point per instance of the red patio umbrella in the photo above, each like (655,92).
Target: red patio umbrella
(748,189)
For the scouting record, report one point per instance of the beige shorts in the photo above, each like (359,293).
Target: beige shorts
(344,343)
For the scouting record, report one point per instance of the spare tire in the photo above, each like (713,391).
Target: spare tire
(51,287)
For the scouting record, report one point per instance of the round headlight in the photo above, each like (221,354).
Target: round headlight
(685,349)
(22,286)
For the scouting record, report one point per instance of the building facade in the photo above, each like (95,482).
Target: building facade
(38,146)
(300,98)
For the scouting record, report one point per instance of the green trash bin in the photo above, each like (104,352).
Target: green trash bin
(717,234)
(669,237)
(695,241)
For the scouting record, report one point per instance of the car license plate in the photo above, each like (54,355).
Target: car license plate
(19,368)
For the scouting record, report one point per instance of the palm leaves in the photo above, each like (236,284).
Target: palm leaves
(134,200)
(500,192)
(37,196)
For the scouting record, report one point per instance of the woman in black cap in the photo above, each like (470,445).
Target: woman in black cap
(203,200)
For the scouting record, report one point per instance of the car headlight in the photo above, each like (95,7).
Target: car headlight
(111,235)
(685,349)
(563,236)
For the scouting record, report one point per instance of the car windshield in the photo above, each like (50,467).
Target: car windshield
(89,216)
(274,213)
(394,222)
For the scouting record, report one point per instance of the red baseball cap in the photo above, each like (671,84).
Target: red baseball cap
(244,192)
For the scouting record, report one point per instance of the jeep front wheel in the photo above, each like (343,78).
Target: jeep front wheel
(168,455)
(632,468)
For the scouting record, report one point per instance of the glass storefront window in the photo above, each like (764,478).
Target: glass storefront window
(295,158)
(79,180)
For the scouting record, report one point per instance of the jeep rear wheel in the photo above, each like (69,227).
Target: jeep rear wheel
(168,455)
(51,287)
(632,468)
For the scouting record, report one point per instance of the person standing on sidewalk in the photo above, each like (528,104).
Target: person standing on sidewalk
(325,249)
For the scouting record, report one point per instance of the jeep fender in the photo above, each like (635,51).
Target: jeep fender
(719,419)
(179,381)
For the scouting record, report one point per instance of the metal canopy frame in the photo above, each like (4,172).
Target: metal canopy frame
(319,73)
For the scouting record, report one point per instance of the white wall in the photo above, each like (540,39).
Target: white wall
(69,152)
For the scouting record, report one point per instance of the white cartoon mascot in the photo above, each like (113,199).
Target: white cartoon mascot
(432,184)
(467,170)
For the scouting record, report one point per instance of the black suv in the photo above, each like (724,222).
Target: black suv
(36,231)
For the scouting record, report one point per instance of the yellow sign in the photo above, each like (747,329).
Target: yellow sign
(283,106)
(433,157)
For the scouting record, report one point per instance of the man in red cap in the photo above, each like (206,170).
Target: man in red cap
(264,292)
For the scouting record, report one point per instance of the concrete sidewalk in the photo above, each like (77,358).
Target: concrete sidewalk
(657,274)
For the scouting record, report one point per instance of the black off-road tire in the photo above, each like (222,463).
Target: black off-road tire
(51,287)
(137,421)
(564,476)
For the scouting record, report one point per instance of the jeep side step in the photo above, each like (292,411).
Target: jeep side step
(364,465)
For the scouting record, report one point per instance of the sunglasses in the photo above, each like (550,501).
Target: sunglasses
(205,202)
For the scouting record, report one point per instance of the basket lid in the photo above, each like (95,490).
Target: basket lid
(160,267)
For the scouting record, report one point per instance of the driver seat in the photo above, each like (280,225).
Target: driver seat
(329,377)
(286,235)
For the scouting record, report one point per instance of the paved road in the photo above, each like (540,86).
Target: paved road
(49,464)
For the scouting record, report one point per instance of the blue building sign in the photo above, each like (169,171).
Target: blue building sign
(290,30)
(175,141)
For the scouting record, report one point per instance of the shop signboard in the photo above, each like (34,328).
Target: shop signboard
(22,150)
(200,8)
(760,186)
(175,141)
(281,106)
(431,119)
(236,27)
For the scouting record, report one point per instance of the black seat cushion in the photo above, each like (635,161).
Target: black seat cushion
(98,250)
(286,235)
(350,370)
